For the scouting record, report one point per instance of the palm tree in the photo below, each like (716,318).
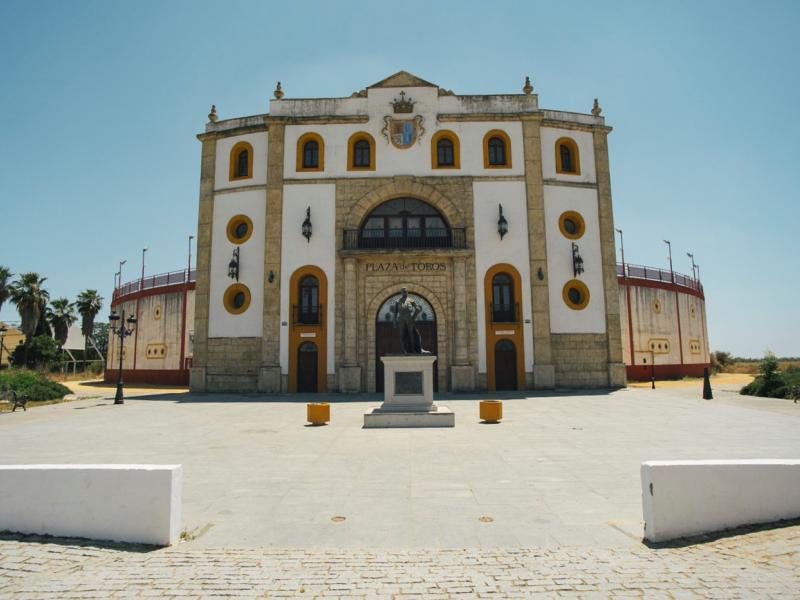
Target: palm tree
(30,297)
(61,315)
(5,289)
(89,303)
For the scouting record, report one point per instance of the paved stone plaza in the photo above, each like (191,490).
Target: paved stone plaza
(546,501)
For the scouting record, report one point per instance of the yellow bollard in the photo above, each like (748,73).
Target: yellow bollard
(491,411)
(318,413)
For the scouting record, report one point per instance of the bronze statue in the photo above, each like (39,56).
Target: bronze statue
(405,314)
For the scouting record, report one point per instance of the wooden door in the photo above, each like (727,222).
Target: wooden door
(505,365)
(307,357)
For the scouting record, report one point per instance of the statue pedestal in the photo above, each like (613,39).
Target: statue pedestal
(408,395)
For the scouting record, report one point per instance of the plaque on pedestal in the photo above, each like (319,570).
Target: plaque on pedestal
(408,395)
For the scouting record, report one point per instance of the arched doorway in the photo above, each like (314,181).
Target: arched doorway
(307,360)
(505,365)
(388,342)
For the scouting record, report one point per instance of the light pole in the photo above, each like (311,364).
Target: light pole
(694,266)
(671,272)
(3,330)
(622,251)
(118,276)
(189,269)
(141,285)
(122,331)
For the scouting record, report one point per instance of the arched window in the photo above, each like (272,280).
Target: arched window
(496,150)
(568,160)
(405,223)
(503,302)
(308,309)
(445,150)
(361,152)
(310,153)
(241,162)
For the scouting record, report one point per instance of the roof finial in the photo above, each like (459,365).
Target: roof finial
(278,93)
(528,87)
(212,116)
(596,110)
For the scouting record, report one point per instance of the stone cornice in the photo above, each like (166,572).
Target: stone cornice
(320,120)
(578,184)
(575,126)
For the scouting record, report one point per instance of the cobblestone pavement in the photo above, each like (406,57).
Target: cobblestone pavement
(751,564)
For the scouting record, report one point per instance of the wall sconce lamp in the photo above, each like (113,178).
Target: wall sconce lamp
(307,225)
(577,261)
(540,274)
(233,266)
(502,224)
(271,276)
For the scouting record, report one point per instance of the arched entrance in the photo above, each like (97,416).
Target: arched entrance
(505,365)
(388,342)
(307,361)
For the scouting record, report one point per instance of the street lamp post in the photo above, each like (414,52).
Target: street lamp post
(122,331)
(141,285)
(3,330)
(671,272)
(622,251)
(189,268)
(694,266)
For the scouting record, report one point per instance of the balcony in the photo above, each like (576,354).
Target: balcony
(366,239)
(307,315)
(504,313)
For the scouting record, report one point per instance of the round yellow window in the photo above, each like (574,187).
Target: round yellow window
(576,294)
(157,312)
(239,230)
(656,304)
(572,225)
(236,299)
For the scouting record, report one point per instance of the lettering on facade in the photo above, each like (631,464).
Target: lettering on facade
(394,267)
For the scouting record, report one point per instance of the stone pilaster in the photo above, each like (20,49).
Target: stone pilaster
(350,371)
(616,367)
(543,370)
(197,378)
(462,374)
(269,376)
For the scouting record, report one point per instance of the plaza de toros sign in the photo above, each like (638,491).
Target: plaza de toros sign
(402,267)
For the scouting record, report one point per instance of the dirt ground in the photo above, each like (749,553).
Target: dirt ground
(719,379)
(100,388)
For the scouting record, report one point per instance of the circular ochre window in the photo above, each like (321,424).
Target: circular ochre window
(240,228)
(656,304)
(236,299)
(576,294)
(157,312)
(572,225)
(692,311)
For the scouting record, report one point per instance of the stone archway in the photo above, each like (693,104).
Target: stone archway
(442,318)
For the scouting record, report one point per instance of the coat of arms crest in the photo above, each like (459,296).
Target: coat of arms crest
(402,133)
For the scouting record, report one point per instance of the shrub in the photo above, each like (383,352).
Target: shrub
(42,351)
(32,384)
(771,382)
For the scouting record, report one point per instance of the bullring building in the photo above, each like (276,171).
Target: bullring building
(494,213)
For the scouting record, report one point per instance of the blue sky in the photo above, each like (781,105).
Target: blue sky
(101,102)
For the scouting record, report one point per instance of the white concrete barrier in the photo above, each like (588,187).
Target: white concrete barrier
(688,497)
(126,503)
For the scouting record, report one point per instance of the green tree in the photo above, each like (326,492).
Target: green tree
(89,303)
(40,351)
(29,297)
(60,316)
(5,288)
(100,337)
(724,359)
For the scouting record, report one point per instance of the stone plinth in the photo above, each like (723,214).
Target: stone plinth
(408,395)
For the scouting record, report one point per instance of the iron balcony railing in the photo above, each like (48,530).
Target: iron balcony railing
(154,281)
(307,314)
(504,313)
(366,239)
(654,274)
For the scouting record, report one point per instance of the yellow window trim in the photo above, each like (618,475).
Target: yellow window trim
(449,135)
(357,137)
(507,140)
(577,219)
(576,156)
(301,142)
(230,293)
(230,230)
(234,158)
(575,283)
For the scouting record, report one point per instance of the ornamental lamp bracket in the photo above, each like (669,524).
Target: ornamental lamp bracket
(502,223)
(233,265)
(577,261)
(306,228)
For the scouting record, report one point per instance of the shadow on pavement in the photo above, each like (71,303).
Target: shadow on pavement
(26,538)
(714,536)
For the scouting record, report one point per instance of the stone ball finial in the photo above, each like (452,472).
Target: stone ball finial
(278,93)
(528,87)
(596,110)
(212,116)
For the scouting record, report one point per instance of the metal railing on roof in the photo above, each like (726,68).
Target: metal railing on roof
(654,274)
(155,281)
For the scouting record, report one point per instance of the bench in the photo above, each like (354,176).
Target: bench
(18,400)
